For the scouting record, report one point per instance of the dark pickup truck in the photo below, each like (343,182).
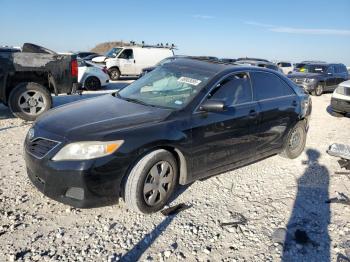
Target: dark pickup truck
(28,78)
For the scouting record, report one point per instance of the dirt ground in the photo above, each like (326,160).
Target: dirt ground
(279,204)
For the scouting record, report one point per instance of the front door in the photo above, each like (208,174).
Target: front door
(221,139)
(127,62)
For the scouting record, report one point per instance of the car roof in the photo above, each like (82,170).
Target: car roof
(215,66)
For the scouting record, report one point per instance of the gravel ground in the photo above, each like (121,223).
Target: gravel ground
(283,202)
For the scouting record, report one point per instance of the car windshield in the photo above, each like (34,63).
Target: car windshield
(113,52)
(167,86)
(313,69)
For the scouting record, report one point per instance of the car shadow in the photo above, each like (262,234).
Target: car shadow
(140,248)
(307,237)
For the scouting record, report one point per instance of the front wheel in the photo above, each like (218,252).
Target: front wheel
(114,74)
(318,90)
(151,182)
(29,100)
(295,141)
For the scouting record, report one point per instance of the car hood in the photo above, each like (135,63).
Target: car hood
(98,117)
(304,75)
(99,59)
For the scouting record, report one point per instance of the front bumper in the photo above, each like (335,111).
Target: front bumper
(339,105)
(309,87)
(81,184)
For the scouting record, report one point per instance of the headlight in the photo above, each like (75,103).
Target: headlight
(87,150)
(309,80)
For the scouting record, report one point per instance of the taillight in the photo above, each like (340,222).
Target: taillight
(104,69)
(74,68)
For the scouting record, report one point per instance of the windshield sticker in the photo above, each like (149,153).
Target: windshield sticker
(188,80)
(178,102)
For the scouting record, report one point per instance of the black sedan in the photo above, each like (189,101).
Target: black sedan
(184,121)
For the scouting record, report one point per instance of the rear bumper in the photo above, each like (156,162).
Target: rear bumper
(339,105)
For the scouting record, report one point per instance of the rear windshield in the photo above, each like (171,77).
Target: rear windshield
(168,86)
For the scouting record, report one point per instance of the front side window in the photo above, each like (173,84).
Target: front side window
(127,54)
(168,86)
(235,89)
(267,86)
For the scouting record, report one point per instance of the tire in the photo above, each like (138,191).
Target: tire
(92,83)
(318,90)
(114,73)
(295,143)
(29,100)
(142,198)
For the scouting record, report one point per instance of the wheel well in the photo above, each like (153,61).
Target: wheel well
(180,160)
(41,78)
(182,164)
(114,67)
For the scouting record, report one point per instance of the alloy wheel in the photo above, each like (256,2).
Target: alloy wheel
(32,102)
(319,90)
(295,139)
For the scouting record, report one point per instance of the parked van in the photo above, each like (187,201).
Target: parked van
(130,60)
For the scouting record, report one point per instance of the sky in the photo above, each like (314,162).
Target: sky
(272,29)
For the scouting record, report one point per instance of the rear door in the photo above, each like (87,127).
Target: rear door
(224,138)
(278,105)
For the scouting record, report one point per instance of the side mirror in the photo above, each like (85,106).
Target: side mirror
(213,106)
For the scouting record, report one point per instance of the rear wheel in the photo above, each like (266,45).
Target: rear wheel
(151,182)
(114,73)
(29,100)
(295,141)
(92,83)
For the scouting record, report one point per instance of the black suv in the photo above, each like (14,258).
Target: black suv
(186,120)
(317,78)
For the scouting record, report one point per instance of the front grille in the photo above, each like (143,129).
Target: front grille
(39,147)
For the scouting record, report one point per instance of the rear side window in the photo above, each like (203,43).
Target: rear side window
(235,89)
(267,85)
